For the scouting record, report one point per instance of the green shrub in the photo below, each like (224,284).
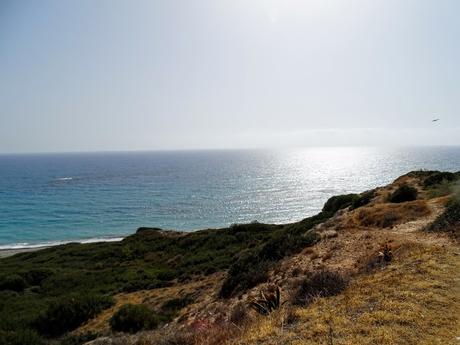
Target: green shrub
(132,318)
(248,271)
(320,284)
(13,282)
(286,243)
(442,189)
(36,276)
(339,202)
(20,337)
(173,305)
(7,296)
(438,177)
(68,313)
(403,193)
(252,266)
(363,199)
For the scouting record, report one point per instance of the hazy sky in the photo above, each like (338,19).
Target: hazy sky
(125,75)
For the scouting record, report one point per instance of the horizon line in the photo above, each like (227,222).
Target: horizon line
(112,151)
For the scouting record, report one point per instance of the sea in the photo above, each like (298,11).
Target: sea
(48,199)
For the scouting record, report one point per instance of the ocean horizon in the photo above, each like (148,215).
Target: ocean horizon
(55,198)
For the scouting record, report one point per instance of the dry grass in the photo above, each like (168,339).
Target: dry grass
(415,300)
(204,289)
(388,215)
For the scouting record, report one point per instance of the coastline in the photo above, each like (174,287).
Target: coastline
(13,250)
(4,253)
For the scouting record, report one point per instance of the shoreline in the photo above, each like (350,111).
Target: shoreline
(6,252)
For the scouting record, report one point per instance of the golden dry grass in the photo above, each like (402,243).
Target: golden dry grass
(203,288)
(415,300)
(388,215)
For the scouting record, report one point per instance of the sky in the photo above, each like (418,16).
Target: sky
(151,75)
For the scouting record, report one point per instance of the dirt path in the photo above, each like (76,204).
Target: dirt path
(412,231)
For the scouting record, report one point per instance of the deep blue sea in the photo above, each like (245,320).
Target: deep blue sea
(54,198)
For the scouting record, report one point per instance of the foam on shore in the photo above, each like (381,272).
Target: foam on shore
(21,246)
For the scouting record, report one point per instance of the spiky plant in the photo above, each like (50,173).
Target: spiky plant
(267,303)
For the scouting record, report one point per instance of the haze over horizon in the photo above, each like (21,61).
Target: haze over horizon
(152,75)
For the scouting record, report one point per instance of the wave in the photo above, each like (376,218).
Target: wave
(68,178)
(57,243)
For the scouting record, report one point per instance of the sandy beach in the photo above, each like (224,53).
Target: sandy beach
(12,251)
(9,252)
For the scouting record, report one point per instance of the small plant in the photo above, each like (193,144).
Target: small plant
(132,318)
(290,316)
(248,271)
(339,202)
(69,313)
(320,284)
(20,337)
(362,200)
(267,303)
(386,253)
(172,306)
(439,177)
(403,193)
(13,282)
(238,314)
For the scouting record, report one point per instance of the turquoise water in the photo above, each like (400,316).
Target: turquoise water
(54,198)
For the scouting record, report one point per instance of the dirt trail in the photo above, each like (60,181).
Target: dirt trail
(412,231)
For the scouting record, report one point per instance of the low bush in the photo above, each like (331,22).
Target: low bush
(286,243)
(68,313)
(449,220)
(252,266)
(319,284)
(442,189)
(36,276)
(245,273)
(13,282)
(20,337)
(363,199)
(403,193)
(175,304)
(132,318)
(339,202)
(439,177)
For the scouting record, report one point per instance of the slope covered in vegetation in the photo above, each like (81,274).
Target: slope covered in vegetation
(63,281)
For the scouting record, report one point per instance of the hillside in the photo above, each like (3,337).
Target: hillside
(380,267)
